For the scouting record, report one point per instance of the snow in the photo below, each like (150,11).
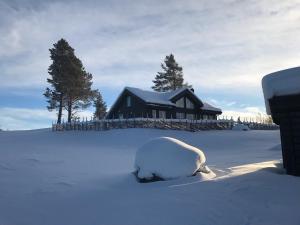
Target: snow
(209,107)
(240,127)
(168,158)
(284,82)
(154,97)
(165,97)
(79,178)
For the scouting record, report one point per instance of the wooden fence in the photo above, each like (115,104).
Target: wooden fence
(171,124)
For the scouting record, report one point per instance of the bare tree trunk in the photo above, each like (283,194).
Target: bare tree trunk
(60,109)
(69,110)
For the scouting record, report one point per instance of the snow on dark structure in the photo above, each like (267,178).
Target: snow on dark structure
(282,96)
(179,104)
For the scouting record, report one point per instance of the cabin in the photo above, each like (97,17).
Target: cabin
(178,104)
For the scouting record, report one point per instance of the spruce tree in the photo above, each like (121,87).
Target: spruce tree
(70,83)
(100,106)
(171,78)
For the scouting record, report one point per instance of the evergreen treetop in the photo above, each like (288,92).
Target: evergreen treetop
(100,106)
(171,78)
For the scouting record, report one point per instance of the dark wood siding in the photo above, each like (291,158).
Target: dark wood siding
(196,111)
(137,108)
(286,112)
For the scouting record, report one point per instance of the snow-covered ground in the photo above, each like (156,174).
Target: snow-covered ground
(85,178)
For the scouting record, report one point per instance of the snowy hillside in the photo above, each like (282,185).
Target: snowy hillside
(85,178)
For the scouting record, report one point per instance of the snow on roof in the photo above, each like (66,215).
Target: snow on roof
(153,97)
(284,82)
(209,107)
(165,97)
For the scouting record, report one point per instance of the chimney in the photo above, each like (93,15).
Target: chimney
(192,89)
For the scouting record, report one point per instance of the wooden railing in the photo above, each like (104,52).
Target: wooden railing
(171,124)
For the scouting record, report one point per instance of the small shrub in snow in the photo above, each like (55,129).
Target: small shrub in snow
(168,158)
(240,127)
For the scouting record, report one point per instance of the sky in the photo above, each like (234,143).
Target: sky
(225,48)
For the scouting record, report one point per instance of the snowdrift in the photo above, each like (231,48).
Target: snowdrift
(240,127)
(167,158)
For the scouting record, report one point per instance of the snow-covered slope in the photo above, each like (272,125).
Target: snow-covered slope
(84,178)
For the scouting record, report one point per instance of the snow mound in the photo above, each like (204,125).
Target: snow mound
(167,158)
(240,126)
(284,82)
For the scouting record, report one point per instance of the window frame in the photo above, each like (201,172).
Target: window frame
(128,101)
(179,101)
(162,112)
(180,115)
(189,104)
(154,113)
(191,115)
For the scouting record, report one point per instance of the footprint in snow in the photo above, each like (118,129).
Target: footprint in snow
(5,167)
(64,184)
(33,160)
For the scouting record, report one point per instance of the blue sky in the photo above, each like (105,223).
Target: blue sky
(225,48)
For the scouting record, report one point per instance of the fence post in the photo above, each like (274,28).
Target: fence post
(185,124)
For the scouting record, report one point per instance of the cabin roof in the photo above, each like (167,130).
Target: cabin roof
(155,97)
(209,107)
(165,98)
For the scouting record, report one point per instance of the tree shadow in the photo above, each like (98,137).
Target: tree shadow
(275,148)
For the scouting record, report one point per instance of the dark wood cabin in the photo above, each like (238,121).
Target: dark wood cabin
(178,104)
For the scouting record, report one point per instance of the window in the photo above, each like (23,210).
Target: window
(211,117)
(180,103)
(179,115)
(205,117)
(162,114)
(128,101)
(190,116)
(121,116)
(189,104)
(154,113)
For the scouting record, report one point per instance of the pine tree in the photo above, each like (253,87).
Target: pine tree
(70,83)
(160,81)
(100,106)
(171,78)
(58,72)
(79,94)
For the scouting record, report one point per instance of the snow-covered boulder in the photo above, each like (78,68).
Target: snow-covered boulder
(284,82)
(240,127)
(168,158)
